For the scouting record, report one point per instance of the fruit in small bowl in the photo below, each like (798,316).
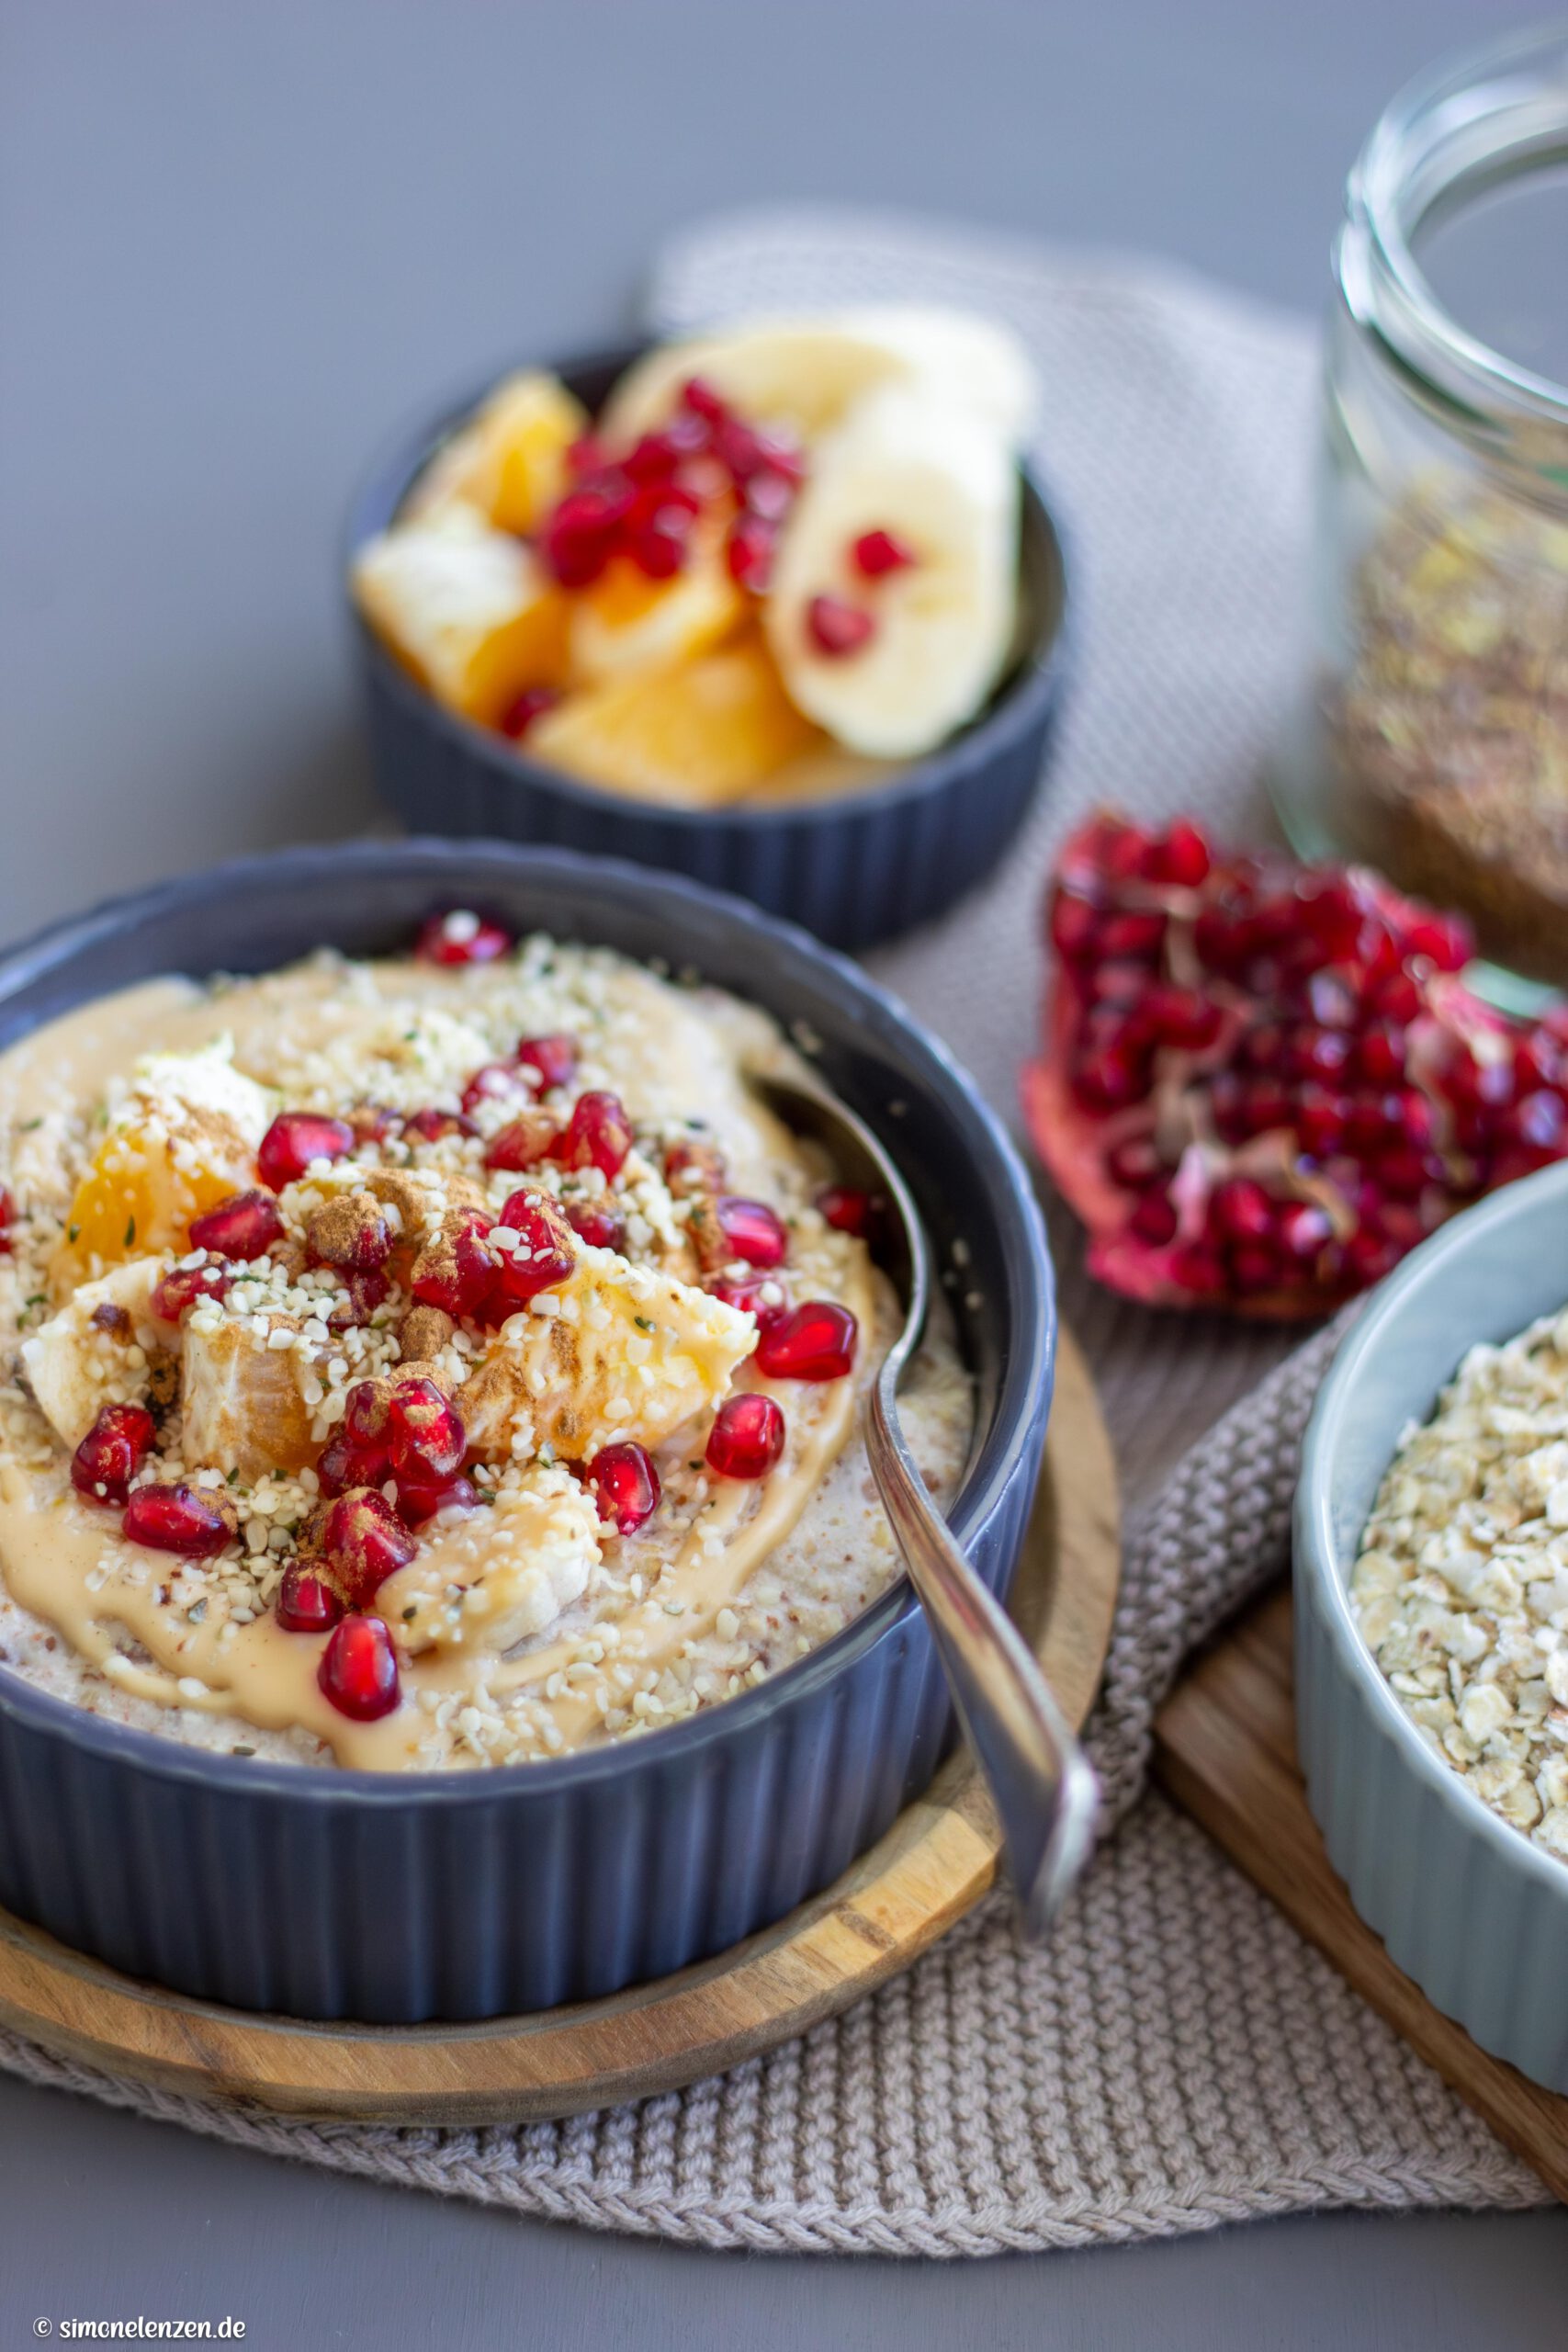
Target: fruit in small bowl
(778,607)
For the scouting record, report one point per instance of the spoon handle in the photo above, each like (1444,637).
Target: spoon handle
(1040,1779)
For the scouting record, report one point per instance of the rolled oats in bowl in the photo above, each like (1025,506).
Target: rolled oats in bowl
(1460,1587)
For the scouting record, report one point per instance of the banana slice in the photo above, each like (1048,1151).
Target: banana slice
(100,1350)
(805,374)
(626,1354)
(468,609)
(482,1580)
(908,462)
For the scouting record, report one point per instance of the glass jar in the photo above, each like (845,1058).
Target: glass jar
(1431,736)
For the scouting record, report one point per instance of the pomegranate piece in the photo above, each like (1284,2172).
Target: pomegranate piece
(747,1437)
(547,1062)
(456,1271)
(877,553)
(598,1135)
(522,1143)
(294,1141)
(524,709)
(1263,1083)
(245,1226)
(496,1083)
(595,1222)
(625,1485)
(748,552)
(183,1286)
(359,1669)
(112,1453)
(419,1498)
(754,1232)
(747,1295)
(539,1256)
(435,1126)
(176,1518)
(7,1219)
(815,1341)
(426,1439)
(460,936)
(848,1209)
(362,1542)
(837,627)
(306,1602)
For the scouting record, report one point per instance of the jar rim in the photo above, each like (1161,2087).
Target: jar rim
(1486,111)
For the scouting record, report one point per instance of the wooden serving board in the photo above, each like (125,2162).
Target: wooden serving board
(932,1866)
(1226,1748)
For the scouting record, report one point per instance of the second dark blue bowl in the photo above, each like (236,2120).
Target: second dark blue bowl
(399,1897)
(859,868)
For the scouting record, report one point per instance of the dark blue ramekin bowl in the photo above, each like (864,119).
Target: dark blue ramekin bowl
(855,868)
(394,1899)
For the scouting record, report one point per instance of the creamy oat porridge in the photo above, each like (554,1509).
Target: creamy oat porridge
(1461,1586)
(437,1362)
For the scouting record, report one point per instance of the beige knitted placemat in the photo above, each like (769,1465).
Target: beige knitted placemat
(1178,2057)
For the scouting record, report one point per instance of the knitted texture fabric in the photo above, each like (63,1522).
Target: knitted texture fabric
(1178,2057)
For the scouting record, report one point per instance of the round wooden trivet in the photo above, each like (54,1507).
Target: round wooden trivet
(932,1866)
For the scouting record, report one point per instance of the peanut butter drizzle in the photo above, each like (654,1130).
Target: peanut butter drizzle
(51,1545)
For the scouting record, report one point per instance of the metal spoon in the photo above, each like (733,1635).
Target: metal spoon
(1040,1779)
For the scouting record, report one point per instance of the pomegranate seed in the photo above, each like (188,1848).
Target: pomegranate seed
(1445,939)
(585,456)
(1369,1256)
(625,1485)
(526,709)
(425,1438)
(755,1233)
(363,1292)
(296,1139)
(343,1463)
(847,1209)
(363,1541)
(595,1222)
(175,1518)
(457,1272)
(700,397)
(7,1219)
(112,1453)
(495,1082)
(1132,934)
(876,553)
(365,1426)
(654,458)
(1397,998)
(1108,1080)
(240,1228)
(1254,1267)
(1380,1054)
(769,495)
(749,553)
(373,1123)
(817,1341)
(1317,1053)
(542,1258)
(1180,1017)
(547,1062)
(837,628)
(746,1296)
(694,1165)
(359,1669)
(523,1143)
(419,1498)
(1199,1269)
(460,936)
(747,1437)
(1304,1229)
(1242,1210)
(1155,1220)
(183,1287)
(598,1135)
(579,537)
(435,1126)
(1133,1164)
(306,1602)
(657,548)
(1321,1121)
(1181,854)
(1074,926)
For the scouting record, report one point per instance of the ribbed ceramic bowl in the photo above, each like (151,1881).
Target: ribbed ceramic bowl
(1467,1905)
(328,1893)
(854,868)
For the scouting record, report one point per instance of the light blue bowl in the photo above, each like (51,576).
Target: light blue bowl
(1467,1905)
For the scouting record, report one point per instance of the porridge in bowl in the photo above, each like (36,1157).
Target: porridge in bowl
(445,1360)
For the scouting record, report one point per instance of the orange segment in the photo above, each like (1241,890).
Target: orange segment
(625,622)
(698,733)
(471,612)
(510,461)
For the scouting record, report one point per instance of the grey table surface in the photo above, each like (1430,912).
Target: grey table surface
(239,244)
